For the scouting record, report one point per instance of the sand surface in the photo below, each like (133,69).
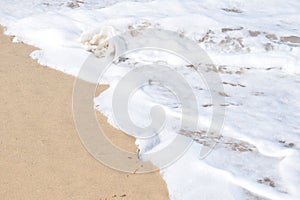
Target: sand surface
(41,156)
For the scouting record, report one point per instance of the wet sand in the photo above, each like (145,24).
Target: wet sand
(41,156)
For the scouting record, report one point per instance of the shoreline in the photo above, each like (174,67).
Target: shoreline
(41,155)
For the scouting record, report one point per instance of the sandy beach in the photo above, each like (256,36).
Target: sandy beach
(41,156)
(207,92)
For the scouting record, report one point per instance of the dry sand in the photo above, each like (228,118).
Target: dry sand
(41,156)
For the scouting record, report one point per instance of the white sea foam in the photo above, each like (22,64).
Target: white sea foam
(255,46)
